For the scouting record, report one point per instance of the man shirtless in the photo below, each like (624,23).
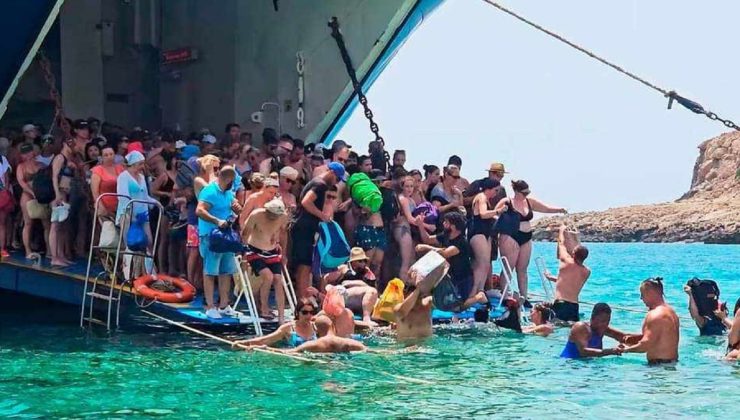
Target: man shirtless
(262,230)
(359,283)
(414,314)
(258,199)
(572,275)
(659,338)
(328,341)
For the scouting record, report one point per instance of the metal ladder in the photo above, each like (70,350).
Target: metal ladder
(546,284)
(110,278)
(506,271)
(246,291)
(242,276)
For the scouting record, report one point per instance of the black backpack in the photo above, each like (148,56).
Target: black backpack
(706,296)
(43,187)
(390,209)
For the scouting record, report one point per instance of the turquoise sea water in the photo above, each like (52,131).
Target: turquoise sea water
(49,368)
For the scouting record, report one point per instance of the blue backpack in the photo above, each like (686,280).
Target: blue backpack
(332,247)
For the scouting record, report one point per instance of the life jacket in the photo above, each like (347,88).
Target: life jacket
(364,192)
(332,247)
(706,296)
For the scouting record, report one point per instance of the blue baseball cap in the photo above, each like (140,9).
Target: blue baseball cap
(338,170)
(189,151)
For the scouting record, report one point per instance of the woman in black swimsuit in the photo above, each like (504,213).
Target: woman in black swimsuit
(517,246)
(163,166)
(480,229)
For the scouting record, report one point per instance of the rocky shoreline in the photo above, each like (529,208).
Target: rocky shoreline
(709,212)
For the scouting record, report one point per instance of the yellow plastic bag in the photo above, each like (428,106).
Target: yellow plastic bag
(392,296)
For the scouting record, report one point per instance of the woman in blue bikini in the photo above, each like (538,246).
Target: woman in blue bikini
(294,333)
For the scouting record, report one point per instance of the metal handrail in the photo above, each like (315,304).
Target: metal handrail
(128,210)
(248,295)
(546,283)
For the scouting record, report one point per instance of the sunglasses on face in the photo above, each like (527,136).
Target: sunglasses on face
(308,311)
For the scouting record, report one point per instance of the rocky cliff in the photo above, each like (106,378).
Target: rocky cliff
(709,212)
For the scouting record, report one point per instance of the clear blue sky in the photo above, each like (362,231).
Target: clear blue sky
(475,82)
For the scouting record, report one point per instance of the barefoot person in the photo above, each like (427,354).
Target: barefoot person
(359,281)
(516,242)
(585,339)
(572,275)
(262,230)
(453,246)
(659,337)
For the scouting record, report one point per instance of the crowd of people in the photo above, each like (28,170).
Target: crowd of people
(279,194)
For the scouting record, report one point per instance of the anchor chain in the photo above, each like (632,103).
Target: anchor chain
(300,67)
(337,35)
(59,116)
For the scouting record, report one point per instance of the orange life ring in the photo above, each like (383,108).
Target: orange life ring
(186,293)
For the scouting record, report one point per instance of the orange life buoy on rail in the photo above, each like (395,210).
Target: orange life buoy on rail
(186,293)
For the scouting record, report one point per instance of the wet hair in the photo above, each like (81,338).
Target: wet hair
(580,253)
(737,307)
(414,172)
(601,308)
(286,137)
(306,302)
(519,185)
(545,309)
(399,152)
(655,283)
(230,126)
(430,169)
(455,160)
(323,325)
(299,143)
(363,158)
(456,219)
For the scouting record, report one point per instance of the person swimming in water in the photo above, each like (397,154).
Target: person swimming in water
(328,341)
(733,337)
(295,333)
(585,339)
(572,276)
(414,314)
(660,330)
(541,316)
